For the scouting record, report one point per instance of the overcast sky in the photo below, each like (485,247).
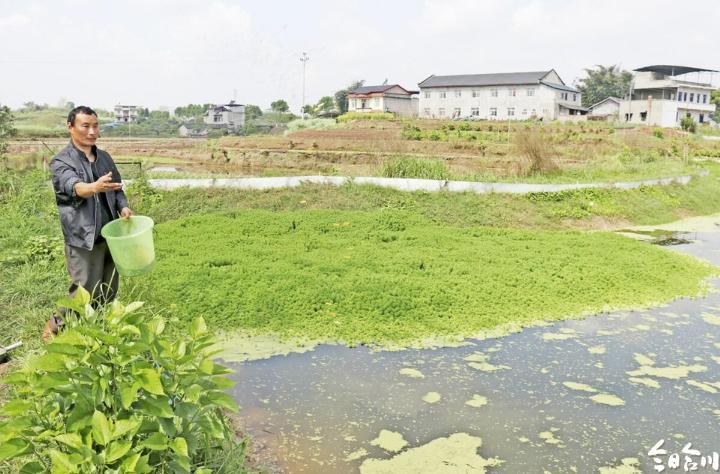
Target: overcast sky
(173,52)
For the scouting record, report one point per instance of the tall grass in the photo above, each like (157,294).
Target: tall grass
(365,116)
(408,167)
(536,148)
(310,124)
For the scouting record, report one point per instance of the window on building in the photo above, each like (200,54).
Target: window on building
(456,112)
(574,97)
(443,95)
(217,118)
(476,93)
(493,111)
(531,92)
(475,111)
(643,116)
(441,112)
(493,92)
(692,96)
(427,95)
(524,112)
(512,91)
(426,111)
(458,93)
(701,118)
(704,98)
(511,111)
(533,112)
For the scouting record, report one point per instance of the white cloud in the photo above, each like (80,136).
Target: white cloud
(14,21)
(172,52)
(454,16)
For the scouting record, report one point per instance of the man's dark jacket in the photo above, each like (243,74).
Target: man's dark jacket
(80,217)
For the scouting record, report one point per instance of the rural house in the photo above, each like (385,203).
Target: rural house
(606,109)
(663,95)
(500,96)
(231,116)
(126,113)
(385,98)
(188,130)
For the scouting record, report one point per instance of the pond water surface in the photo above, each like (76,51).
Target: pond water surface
(574,396)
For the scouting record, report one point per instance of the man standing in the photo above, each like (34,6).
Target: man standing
(88,192)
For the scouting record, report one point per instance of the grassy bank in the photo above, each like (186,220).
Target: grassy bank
(33,275)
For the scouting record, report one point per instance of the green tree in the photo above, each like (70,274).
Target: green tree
(7,129)
(279,106)
(252,112)
(192,110)
(341,96)
(715,99)
(603,82)
(325,104)
(159,115)
(309,109)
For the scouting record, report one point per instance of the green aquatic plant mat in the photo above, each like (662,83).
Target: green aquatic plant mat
(393,276)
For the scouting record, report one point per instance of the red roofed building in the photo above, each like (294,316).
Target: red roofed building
(386,98)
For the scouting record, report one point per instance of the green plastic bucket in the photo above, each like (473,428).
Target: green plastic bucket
(131,244)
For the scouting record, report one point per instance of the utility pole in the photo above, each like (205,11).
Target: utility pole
(304,58)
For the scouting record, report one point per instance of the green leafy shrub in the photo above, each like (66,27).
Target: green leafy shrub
(142,194)
(112,393)
(688,124)
(407,167)
(658,133)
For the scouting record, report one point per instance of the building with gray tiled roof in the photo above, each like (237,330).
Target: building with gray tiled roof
(500,96)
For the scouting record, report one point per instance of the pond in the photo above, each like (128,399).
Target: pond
(573,396)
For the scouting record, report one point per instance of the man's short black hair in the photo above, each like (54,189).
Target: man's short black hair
(82,109)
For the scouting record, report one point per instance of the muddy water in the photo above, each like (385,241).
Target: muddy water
(575,396)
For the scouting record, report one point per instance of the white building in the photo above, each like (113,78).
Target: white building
(500,96)
(660,97)
(230,116)
(606,109)
(126,113)
(386,98)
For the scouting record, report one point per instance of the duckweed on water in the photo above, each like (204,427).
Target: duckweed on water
(608,399)
(413,373)
(431,397)
(390,441)
(440,456)
(392,276)
(627,466)
(477,401)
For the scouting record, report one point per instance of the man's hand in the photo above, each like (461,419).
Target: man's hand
(126,213)
(86,190)
(104,183)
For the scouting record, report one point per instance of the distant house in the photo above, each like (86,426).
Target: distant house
(127,113)
(606,109)
(501,96)
(187,130)
(230,116)
(663,95)
(386,98)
